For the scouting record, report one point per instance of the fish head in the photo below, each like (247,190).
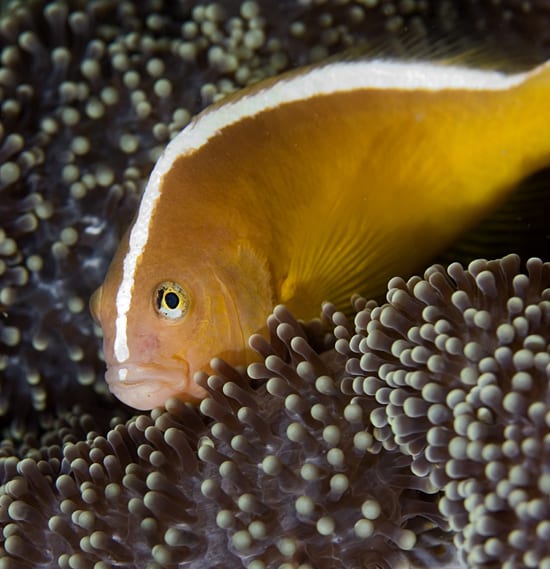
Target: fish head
(170,324)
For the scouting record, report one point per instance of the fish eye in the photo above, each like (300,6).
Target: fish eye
(171,300)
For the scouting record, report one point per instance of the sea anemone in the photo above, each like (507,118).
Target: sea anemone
(278,467)
(90,93)
(458,364)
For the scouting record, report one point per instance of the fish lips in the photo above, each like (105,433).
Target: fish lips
(145,386)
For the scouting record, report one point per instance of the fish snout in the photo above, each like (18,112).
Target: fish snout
(145,385)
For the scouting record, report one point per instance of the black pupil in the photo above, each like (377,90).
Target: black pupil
(171,299)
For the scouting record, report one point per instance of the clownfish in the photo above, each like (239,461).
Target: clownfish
(304,188)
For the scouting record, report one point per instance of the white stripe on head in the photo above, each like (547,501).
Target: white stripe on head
(327,79)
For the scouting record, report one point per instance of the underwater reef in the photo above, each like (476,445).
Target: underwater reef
(409,433)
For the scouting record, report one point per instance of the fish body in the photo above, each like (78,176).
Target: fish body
(307,188)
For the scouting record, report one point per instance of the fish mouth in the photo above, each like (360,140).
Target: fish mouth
(145,386)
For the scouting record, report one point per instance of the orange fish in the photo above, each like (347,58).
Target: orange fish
(302,189)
